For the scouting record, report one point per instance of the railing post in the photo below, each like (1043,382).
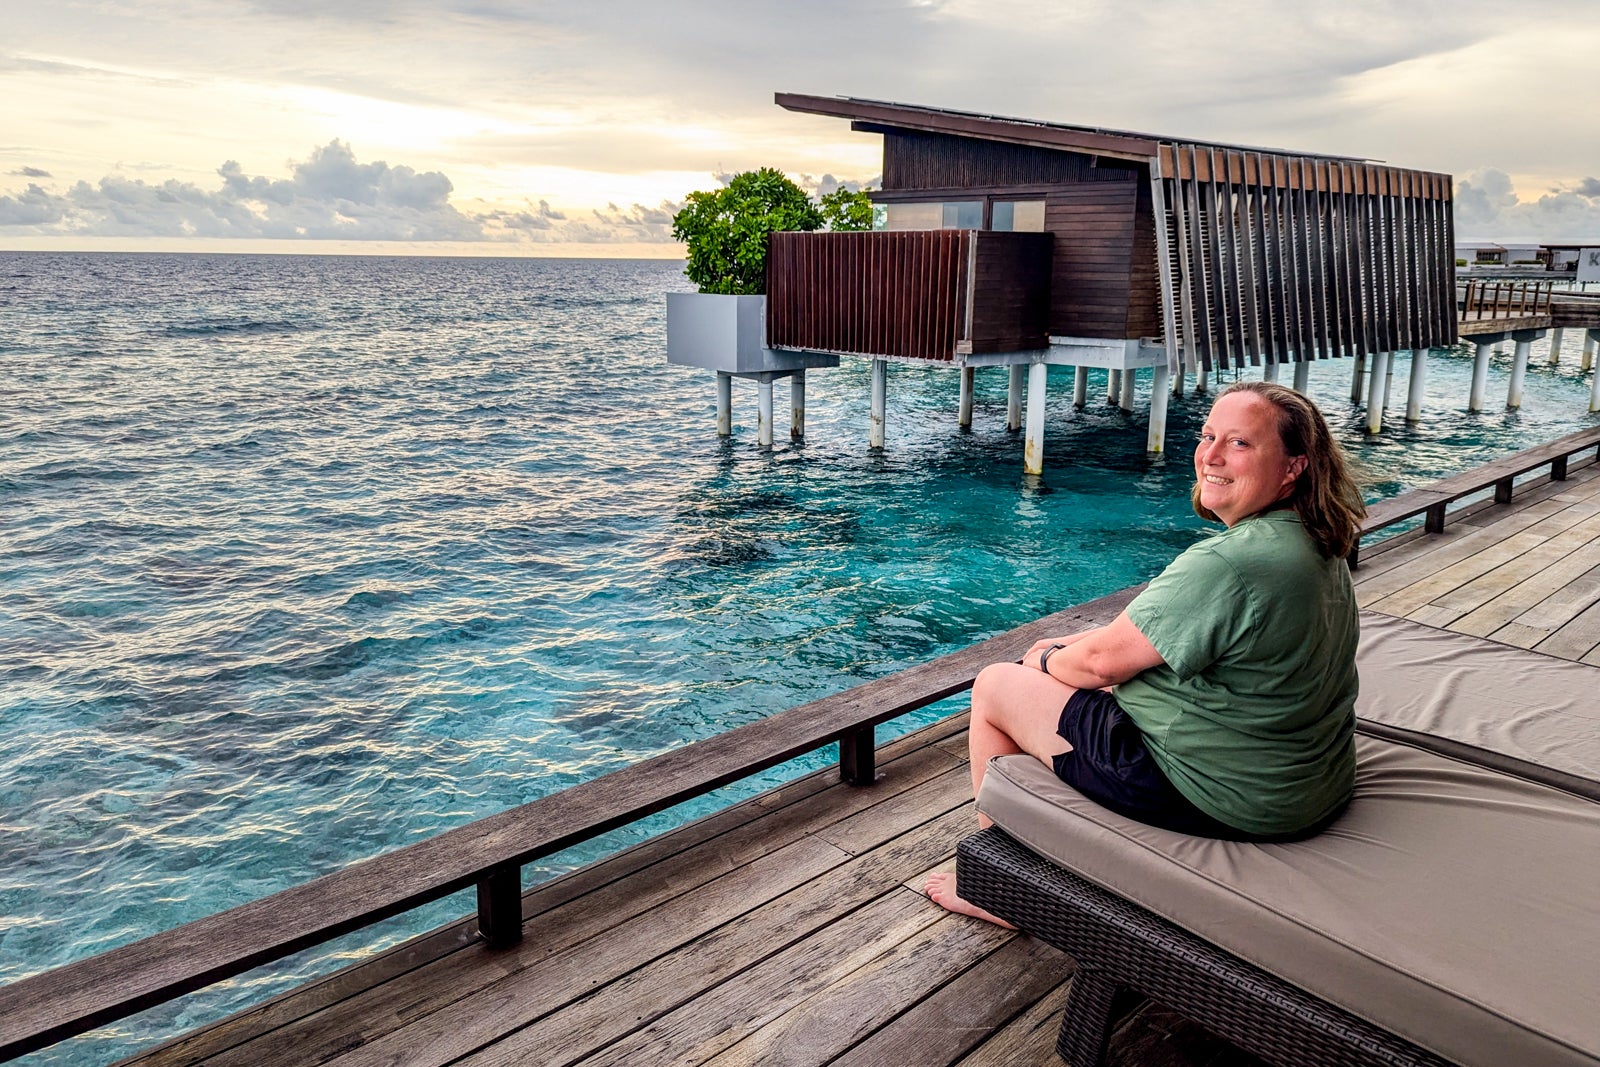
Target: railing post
(1558,469)
(1434,522)
(857,757)
(1502,491)
(500,906)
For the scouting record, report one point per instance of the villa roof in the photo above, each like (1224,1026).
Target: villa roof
(878,116)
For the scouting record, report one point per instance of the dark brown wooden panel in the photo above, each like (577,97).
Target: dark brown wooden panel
(914,160)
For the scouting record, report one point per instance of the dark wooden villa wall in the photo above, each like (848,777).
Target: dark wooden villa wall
(1104,279)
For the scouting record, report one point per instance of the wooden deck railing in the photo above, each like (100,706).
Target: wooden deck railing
(1500,300)
(911,294)
(489,853)
(1431,503)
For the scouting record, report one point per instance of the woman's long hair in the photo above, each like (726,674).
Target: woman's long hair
(1325,496)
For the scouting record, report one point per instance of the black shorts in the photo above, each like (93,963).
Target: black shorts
(1110,765)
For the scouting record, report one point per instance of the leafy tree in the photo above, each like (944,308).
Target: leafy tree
(844,210)
(726,230)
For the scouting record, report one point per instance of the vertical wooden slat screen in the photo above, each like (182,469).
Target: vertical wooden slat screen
(911,294)
(1278,258)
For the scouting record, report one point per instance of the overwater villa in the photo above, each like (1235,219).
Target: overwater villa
(1024,244)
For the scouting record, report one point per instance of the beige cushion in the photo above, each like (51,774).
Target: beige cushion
(1523,704)
(1452,905)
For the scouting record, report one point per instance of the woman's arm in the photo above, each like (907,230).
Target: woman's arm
(1094,659)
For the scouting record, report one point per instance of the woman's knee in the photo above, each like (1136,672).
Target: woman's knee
(990,687)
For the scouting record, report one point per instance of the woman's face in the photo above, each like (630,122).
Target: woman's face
(1240,461)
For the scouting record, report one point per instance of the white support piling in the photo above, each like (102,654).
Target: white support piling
(1177,379)
(1033,444)
(1557,335)
(880,388)
(1014,398)
(797,405)
(1113,386)
(1080,386)
(1591,338)
(724,404)
(1200,376)
(1380,362)
(964,417)
(1388,378)
(1419,383)
(1480,375)
(1160,393)
(1129,384)
(1302,376)
(1355,379)
(1269,372)
(1519,372)
(764,416)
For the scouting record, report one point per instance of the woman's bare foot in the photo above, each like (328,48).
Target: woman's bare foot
(941,889)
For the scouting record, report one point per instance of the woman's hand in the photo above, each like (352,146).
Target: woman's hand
(1031,657)
(1096,659)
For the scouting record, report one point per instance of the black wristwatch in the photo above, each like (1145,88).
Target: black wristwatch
(1044,657)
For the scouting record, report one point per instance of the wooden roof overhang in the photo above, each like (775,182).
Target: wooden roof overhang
(1265,255)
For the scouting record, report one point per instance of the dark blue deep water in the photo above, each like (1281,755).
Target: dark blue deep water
(303,559)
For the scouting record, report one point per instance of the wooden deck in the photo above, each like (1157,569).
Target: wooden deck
(790,929)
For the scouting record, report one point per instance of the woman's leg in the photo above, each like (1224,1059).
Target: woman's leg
(1015,709)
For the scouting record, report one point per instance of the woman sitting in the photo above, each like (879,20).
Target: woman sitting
(1221,703)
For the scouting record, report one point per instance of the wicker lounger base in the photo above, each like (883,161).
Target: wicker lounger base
(1120,946)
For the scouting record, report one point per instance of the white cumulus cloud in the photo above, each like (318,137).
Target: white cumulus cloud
(331,196)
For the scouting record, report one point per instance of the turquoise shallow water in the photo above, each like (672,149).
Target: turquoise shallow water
(302,559)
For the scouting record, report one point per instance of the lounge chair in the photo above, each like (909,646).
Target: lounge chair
(1451,915)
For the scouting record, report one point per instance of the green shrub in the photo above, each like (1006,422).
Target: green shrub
(726,229)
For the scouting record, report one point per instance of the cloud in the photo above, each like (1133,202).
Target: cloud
(1487,207)
(31,172)
(331,196)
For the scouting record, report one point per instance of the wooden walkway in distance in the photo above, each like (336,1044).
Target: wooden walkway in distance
(791,929)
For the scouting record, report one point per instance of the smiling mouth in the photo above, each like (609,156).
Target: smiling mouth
(1217,480)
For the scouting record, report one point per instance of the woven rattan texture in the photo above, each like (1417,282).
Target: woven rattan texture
(1129,946)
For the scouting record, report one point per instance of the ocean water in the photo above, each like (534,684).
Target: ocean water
(303,559)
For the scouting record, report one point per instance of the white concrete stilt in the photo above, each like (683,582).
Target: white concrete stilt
(1113,386)
(1419,383)
(1594,385)
(1557,335)
(764,417)
(1587,359)
(1201,378)
(1388,378)
(1302,376)
(964,417)
(1129,384)
(724,404)
(1519,372)
(1033,444)
(1177,379)
(1269,373)
(1375,391)
(1160,393)
(1355,379)
(1014,398)
(797,405)
(1480,375)
(1080,386)
(880,389)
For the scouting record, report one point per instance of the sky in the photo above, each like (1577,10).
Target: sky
(517,127)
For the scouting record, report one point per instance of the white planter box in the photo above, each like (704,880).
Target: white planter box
(716,331)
